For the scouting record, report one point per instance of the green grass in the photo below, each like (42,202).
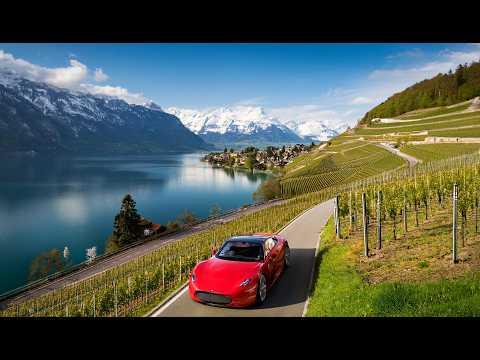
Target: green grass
(340,290)
(468,132)
(421,126)
(431,152)
(433,112)
(445,119)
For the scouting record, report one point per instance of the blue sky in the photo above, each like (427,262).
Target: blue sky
(336,83)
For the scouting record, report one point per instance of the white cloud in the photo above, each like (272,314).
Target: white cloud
(417,52)
(461,57)
(117,92)
(67,77)
(100,76)
(361,100)
(72,77)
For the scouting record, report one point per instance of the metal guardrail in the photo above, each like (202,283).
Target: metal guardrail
(86,264)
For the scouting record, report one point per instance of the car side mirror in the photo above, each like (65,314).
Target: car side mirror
(214,250)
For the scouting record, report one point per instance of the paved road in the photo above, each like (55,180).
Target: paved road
(129,254)
(411,160)
(287,297)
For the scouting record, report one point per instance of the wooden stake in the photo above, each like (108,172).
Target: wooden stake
(365,226)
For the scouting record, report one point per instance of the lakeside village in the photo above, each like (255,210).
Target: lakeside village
(253,158)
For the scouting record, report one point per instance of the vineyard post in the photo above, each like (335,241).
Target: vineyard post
(94,306)
(405,215)
(379,220)
(180,269)
(163,276)
(146,286)
(335,215)
(337,211)
(476,214)
(350,211)
(454,240)
(115,298)
(66,310)
(365,226)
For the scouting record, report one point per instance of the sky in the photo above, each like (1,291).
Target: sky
(332,83)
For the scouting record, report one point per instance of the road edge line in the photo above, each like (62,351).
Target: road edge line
(167,301)
(305,307)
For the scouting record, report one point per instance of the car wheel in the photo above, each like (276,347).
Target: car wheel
(261,289)
(286,257)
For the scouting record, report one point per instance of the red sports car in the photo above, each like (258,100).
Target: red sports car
(241,272)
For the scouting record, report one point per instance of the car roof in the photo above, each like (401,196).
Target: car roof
(249,238)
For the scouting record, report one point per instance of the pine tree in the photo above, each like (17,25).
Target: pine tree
(125,228)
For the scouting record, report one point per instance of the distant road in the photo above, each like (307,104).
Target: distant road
(411,160)
(288,296)
(129,254)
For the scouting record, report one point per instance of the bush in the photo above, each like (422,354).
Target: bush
(268,190)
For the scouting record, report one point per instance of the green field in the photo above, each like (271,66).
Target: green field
(430,152)
(442,120)
(434,112)
(340,288)
(466,132)
(464,121)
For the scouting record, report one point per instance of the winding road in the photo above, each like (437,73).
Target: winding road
(411,160)
(289,295)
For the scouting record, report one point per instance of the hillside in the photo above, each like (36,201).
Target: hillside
(442,90)
(42,118)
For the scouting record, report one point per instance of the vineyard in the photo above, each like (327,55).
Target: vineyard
(391,209)
(129,289)
(434,112)
(433,152)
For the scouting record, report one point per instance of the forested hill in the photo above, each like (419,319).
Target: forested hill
(442,90)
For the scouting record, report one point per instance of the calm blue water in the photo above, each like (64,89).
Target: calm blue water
(50,203)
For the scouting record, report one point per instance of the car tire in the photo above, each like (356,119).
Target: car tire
(261,289)
(287,258)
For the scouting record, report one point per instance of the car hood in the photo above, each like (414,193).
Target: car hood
(224,276)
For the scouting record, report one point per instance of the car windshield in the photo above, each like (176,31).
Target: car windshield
(241,251)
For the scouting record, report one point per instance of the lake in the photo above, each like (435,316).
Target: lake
(55,202)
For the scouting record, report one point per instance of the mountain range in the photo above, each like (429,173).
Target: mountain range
(248,125)
(39,117)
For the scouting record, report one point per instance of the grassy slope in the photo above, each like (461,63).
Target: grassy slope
(434,112)
(340,288)
(433,152)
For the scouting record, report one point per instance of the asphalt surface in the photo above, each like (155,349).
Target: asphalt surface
(129,254)
(288,296)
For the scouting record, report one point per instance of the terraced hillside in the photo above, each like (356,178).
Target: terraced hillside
(427,134)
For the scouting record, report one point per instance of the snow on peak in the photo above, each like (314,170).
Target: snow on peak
(238,119)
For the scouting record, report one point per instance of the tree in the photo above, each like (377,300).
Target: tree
(48,262)
(268,190)
(187,217)
(216,210)
(126,229)
(231,150)
(251,162)
(225,150)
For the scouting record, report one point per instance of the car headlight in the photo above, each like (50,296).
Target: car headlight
(194,277)
(245,282)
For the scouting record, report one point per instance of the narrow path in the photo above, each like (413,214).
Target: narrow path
(411,160)
(288,296)
(130,254)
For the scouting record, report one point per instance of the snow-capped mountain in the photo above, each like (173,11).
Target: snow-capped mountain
(40,117)
(248,124)
(312,130)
